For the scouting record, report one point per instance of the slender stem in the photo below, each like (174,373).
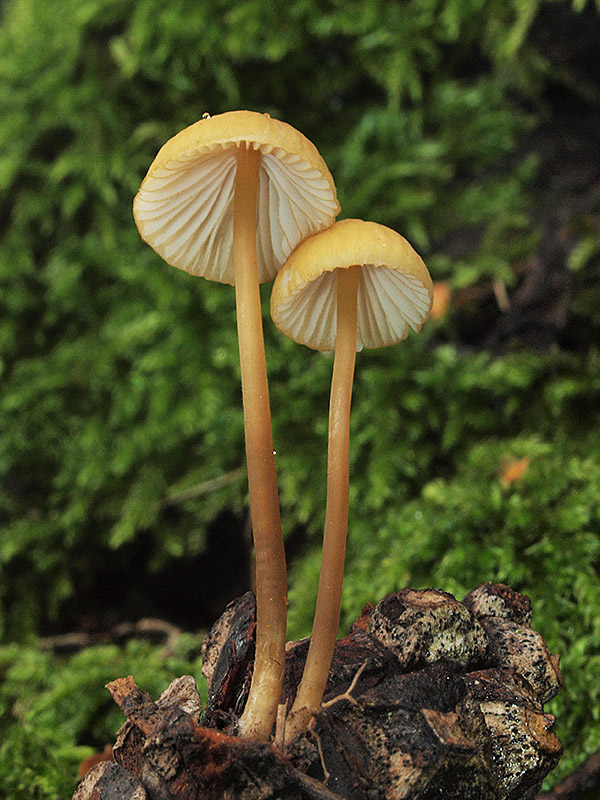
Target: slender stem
(271,583)
(329,595)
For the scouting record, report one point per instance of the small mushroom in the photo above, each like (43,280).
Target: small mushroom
(357,284)
(228,199)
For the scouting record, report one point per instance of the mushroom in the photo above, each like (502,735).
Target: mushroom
(228,198)
(357,284)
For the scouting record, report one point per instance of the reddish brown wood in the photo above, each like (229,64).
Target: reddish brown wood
(583,783)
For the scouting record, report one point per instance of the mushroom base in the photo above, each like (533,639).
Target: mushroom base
(427,697)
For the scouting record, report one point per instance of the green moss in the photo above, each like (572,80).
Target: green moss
(120,382)
(119,377)
(55,711)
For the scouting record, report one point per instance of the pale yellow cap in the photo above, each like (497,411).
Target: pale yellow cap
(184,208)
(395,291)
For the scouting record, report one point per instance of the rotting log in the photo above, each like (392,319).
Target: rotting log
(427,697)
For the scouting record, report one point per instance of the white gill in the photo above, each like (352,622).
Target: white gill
(389,303)
(185,210)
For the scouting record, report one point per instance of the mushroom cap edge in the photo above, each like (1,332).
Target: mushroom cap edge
(395,291)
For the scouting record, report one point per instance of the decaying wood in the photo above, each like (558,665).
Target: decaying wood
(227,653)
(427,697)
(110,781)
(440,708)
(172,756)
(97,758)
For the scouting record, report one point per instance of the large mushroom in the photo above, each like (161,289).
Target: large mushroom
(228,199)
(357,284)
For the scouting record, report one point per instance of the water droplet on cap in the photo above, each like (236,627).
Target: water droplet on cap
(206,115)
(274,452)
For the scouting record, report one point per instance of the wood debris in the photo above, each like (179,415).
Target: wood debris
(427,697)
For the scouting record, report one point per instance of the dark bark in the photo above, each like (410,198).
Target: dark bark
(110,781)
(427,697)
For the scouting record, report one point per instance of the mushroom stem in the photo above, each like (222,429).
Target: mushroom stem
(329,595)
(259,714)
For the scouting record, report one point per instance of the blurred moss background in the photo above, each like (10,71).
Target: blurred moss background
(470,126)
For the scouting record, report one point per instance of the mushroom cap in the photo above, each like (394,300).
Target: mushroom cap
(184,208)
(395,291)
